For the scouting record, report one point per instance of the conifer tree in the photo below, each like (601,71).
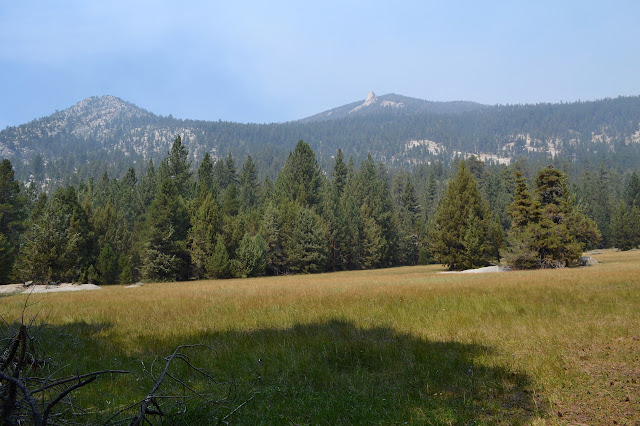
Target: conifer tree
(572,229)
(460,237)
(104,191)
(597,192)
(12,215)
(179,168)
(107,266)
(205,183)
(498,198)
(632,191)
(407,212)
(271,233)
(218,264)
(110,228)
(165,256)
(301,178)
(524,209)
(305,250)
(331,217)
(224,172)
(335,217)
(350,245)
(373,244)
(124,266)
(128,199)
(625,224)
(230,206)
(371,192)
(6,259)
(249,188)
(51,247)
(202,234)
(474,243)
(148,186)
(340,172)
(547,231)
(431,195)
(267,190)
(251,257)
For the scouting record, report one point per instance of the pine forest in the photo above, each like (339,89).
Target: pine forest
(178,221)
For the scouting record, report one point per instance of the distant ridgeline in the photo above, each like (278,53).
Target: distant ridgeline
(108,134)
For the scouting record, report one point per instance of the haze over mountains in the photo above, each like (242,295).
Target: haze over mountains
(393,103)
(108,133)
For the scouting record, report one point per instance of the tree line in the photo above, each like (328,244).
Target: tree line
(221,221)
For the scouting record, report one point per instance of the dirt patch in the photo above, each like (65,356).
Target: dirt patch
(20,288)
(479,270)
(609,386)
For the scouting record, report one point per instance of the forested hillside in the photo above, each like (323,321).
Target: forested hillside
(108,134)
(171,223)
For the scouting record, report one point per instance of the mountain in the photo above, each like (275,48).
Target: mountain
(109,134)
(392,103)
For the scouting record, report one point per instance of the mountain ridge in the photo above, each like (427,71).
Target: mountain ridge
(110,134)
(408,105)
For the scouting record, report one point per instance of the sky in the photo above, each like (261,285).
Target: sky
(277,61)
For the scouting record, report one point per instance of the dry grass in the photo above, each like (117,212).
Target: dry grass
(384,346)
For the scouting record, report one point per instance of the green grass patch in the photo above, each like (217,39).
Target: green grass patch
(393,346)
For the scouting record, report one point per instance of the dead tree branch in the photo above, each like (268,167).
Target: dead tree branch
(25,397)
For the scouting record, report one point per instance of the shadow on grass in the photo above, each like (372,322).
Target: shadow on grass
(323,373)
(337,373)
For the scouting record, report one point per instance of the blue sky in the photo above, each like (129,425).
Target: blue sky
(277,61)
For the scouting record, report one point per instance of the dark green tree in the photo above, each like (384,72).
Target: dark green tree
(547,231)
(6,259)
(206,183)
(218,264)
(165,256)
(597,192)
(305,250)
(271,232)
(301,178)
(632,191)
(625,225)
(124,265)
(350,244)
(251,257)
(460,239)
(202,234)
(224,172)
(51,247)
(249,188)
(179,169)
(371,191)
(431,196)
(230,206)
(127,199)
(498,197)
(12,216)
(340,172)
(107,266)
(148,186)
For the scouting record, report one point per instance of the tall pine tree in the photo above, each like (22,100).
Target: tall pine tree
(165,256)
(461,236)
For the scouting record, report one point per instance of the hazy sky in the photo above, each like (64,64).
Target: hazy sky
(279,61)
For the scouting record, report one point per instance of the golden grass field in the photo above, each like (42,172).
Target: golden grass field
(385,346)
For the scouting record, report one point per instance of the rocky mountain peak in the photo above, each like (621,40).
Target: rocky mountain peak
(371,98)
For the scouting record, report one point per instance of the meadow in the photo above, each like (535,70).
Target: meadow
(392,346)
